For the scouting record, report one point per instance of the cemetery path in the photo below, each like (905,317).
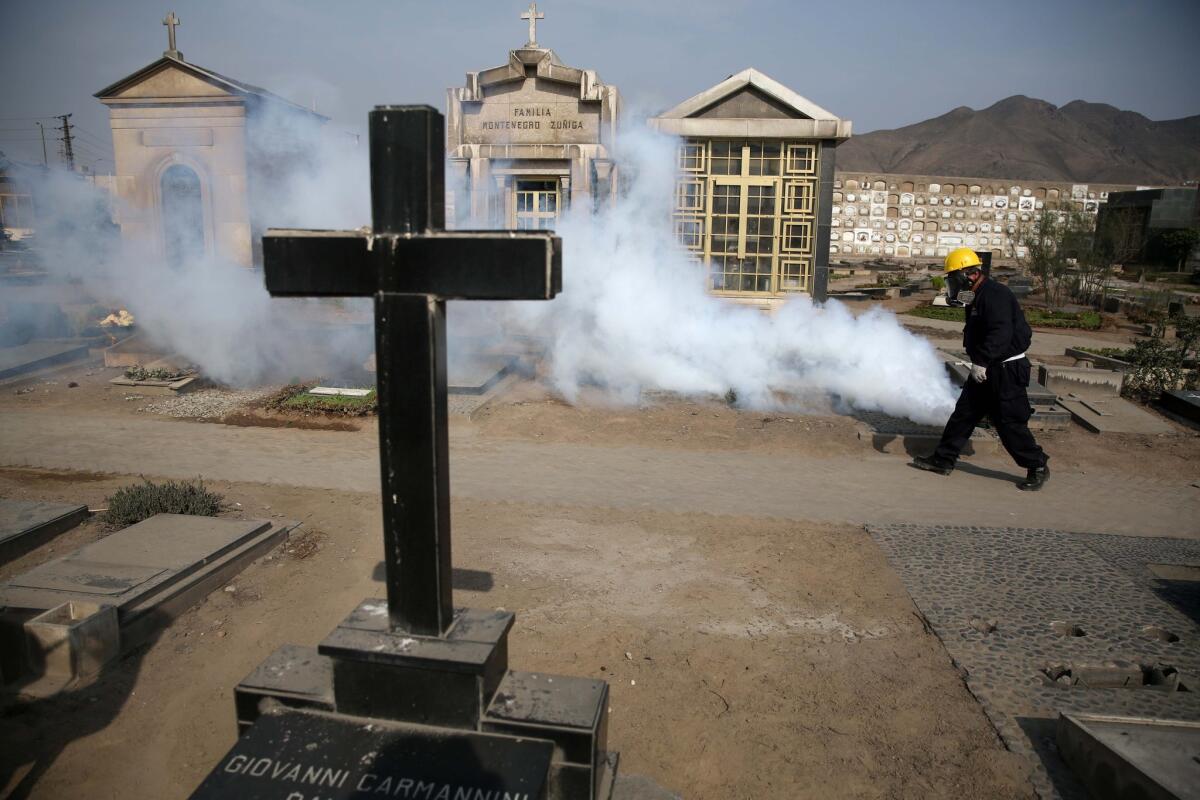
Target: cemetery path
(855,488)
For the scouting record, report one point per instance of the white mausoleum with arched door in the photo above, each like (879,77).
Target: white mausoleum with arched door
(186,175)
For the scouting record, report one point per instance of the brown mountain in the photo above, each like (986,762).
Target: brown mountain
(1021,137)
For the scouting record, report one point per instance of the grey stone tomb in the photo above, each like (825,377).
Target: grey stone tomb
(109,596)
(26,524)
(410,696)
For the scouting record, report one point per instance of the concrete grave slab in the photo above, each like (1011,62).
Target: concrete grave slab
(149,572)
(337,391)
(168,388)
(475,374)
(1100,362)
(1113,415)
(27,524)
(1132,757)
(1182,403)
(472,373)
(26,358)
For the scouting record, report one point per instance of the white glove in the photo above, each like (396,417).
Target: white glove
(978,373)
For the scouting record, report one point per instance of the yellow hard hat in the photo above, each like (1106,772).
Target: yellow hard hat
(962,258)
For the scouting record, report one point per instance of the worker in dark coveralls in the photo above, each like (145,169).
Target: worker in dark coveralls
(995,337)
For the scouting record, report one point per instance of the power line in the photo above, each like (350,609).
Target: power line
(93,141)
(96,141)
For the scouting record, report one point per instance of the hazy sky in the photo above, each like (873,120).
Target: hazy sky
(880,63)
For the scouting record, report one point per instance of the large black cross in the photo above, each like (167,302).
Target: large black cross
(411,266)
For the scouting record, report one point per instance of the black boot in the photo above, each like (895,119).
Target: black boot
(1035,480)
(933,464)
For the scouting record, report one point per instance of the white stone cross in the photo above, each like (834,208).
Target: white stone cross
(533,16)
(171,21)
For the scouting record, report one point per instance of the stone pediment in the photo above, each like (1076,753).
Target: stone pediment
(534,100)
(170,81)
(532,62)
(751,102)
(171,78)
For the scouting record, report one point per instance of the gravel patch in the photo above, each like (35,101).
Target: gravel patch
(208,403)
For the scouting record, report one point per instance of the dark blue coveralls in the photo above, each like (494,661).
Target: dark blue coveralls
(996,331)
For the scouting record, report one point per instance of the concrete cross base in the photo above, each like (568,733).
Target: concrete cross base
(437,685)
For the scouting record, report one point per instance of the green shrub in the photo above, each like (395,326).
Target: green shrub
(938,283)
(1156,369)
(132,504)
(1085,320)
(333,404)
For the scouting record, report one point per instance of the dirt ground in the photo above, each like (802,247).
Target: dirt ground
(747,657)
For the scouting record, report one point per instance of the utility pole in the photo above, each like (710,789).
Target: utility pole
(45,160)
(68,153)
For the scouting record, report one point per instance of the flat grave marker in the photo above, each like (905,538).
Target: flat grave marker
(297,755)
(27,524)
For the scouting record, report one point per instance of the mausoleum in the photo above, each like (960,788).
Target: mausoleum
(187,145)
(529,138)
(752,201)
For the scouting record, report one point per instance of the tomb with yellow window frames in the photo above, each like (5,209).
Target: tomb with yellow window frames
(755,175)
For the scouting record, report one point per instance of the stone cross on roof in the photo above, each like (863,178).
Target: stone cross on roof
(171,21)
(533,16)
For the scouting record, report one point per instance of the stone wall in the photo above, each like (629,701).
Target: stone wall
(925,216)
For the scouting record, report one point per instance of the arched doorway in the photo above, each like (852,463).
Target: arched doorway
(182,215)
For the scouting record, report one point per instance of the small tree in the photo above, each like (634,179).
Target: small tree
(1054,242)
(1158,367)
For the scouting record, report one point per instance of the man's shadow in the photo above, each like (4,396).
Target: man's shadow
(983,472)
(34,731)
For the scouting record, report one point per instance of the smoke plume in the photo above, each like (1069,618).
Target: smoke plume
(634,315)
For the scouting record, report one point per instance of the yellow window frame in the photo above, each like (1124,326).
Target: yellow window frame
(801,159)
(690,157)
(799,197)
(681,196)
(795,275)
(803,228)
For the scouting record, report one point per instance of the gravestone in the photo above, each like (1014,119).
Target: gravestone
(1182,403)
(26,524)
(412,680)
(23,359)
(149,573)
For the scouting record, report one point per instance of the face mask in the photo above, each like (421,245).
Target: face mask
(958,288)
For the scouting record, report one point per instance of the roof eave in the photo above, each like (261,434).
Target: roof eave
(749,77)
